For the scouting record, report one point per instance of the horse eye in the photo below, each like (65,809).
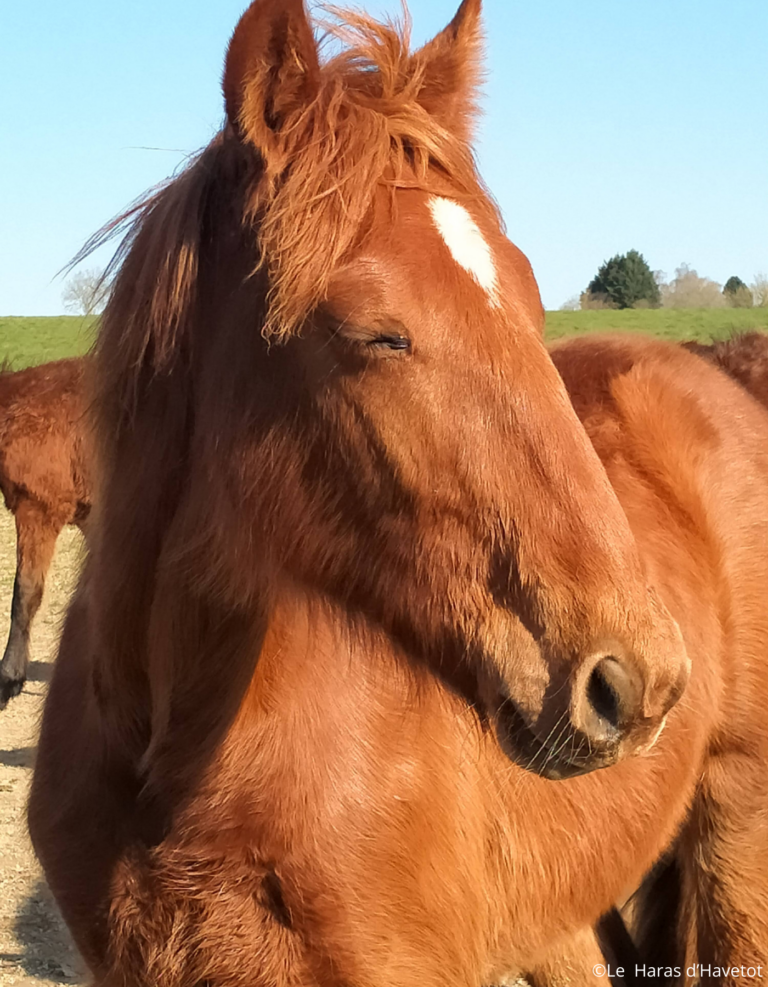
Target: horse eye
(391,342)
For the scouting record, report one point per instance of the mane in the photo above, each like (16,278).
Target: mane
(744,357)
(364,128)
(741,349)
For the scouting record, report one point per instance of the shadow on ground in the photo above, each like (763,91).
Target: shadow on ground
(19,757)
(41,932)
(39,671)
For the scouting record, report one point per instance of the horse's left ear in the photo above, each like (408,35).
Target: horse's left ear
(272,71)
(453,71)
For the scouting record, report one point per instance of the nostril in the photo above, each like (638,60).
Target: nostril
(611,692)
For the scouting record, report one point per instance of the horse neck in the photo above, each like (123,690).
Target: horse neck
(334,740)
(304,734)
(218,671)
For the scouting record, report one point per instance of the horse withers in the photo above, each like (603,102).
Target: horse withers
(363,611)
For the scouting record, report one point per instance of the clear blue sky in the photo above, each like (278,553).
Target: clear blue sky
(609,125)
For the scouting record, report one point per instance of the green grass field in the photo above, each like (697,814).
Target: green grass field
(26,341)
(703,324)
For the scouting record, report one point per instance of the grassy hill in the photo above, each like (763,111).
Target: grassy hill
(704,324)
(37,339)
(26,341)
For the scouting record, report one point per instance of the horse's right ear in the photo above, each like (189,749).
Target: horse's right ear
(271,72)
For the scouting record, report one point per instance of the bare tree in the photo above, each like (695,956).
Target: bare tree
(742,297)
(86,292)
(688,290)
(571,305)
(760,289)
(594,302)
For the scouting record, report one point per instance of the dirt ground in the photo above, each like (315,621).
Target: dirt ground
(35,950)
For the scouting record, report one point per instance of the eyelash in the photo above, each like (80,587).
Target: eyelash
(391,342)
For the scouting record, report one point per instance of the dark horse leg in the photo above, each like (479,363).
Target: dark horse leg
(653,914)
(36,534)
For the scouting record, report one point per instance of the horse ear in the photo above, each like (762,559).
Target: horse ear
(272,70)
(453,71)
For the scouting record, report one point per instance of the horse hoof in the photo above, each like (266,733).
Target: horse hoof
(9,689)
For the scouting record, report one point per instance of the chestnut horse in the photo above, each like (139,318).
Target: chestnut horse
(744,357)
(363,610)
(45,483)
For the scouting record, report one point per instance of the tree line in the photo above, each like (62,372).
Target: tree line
(627,281)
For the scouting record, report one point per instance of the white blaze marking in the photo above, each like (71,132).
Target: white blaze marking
(466,243)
